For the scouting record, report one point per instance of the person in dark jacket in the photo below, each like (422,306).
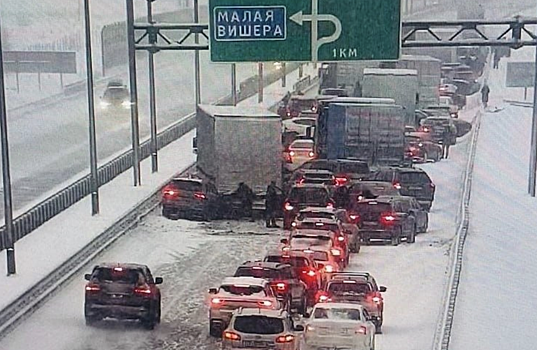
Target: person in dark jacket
(341,197)
(485,91)
(446,142)
(246,196)
(271,204)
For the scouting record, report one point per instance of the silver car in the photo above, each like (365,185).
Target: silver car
(251,328)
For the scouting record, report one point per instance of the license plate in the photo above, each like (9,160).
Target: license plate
(414,188)
(255,344)
(116,296)
(370,223)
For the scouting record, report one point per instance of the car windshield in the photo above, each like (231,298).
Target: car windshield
(295,261)
(336,314)
(258,272)
(118,275)
(258,325)
(116,93)
(342,288)
(301,145)
(302,104)
(354,168)
(243,290)
(376,189)
(308,195)
(319,256)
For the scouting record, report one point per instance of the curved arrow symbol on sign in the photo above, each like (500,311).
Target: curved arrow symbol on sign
(299,18)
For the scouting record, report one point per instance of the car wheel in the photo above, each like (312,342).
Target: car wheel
(168,213)
(159,312)
(426,226)
(214,329)
(91,321)
(149,322)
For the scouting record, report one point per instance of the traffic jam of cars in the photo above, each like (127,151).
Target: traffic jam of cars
(339,172)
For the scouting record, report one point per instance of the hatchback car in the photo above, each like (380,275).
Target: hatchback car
(346,171)
(302,196)
(186,197)
(382,220)
(122,291)
(298,152)
(252,328)
(410,182)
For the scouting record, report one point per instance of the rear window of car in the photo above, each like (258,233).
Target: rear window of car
(354,168)
(242,290)
(318,226)
(259,272)
(336,314)
(302,104)
(191,186)
(342,289)
(258,325)
(118,275)
(295,261)
(320,175)
(316,215)
(302,145)
(366,207)
(414,177)
(116,93)
(320,256)
(321,165)
(308,195)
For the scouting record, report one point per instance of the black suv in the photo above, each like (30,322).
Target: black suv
(185,197)
(410,182)
(302,196)
(410,205)
(383,219)
(122,291)
(283,279)
(345,170)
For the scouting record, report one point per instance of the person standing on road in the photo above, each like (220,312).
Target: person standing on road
(446,142)
(271,204)
(485,91)
(246,196)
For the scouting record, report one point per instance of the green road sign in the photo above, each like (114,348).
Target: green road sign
(304,30)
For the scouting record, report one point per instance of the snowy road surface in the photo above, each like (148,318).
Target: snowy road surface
(195,256)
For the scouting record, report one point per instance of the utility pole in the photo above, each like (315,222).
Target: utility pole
(6,172)
(152,93)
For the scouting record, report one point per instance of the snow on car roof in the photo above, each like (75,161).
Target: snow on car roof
(322,220)
(317,210)
(251,281)
(237,111)
(385,71)
(332,305)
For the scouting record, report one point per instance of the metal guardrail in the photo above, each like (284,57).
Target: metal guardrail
(445,323)
(63,199)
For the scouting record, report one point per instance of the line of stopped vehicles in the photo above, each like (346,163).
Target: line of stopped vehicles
(345,178)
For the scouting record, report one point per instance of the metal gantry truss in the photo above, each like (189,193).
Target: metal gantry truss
(515,33)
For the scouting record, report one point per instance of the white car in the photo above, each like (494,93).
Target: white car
(261,328)
(339,325)
(236,292)
(299,125)
(298,153)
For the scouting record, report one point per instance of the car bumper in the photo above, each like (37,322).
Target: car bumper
(331,341)
(116,311)
(368,235)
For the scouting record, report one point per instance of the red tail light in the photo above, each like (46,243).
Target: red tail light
(144,290)
(361,330)
(388,218)
(231,335)
(330,205)
(322,297)
(170,191)
(341,238)
(397,185)
(432,185)
(285,338)
(287,206)
(217,301)
(291,153)
(92,288)
(341,180)
(311,154)
(309,273)
(200,195)
(265,303)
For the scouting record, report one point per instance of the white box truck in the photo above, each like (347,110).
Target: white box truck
(239,144)
(399,84)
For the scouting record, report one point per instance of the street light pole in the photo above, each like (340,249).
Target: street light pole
(6,174)
(94,176)
(152,94)
(533,149)
(197,56)
(135,126)
(234,84)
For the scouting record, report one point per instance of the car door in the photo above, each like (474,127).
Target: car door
(422,215)
(404,217)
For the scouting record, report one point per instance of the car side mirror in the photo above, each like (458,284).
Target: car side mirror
(284,241)
(213,290)
(87,276)
(382,288)
(299,328)
(159,280)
